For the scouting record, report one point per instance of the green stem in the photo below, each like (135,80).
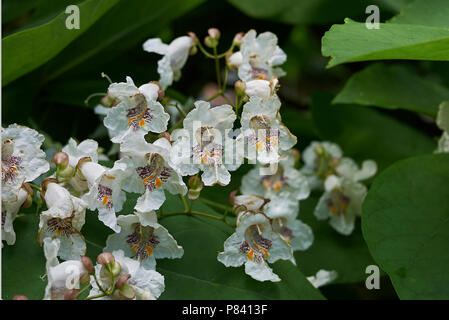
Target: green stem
(99,286)
(217,68)
(178,108)
(176,125)
(184,202)
(215,204)
(97,296)
(32,185)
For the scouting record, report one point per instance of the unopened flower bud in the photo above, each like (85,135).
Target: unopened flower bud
(210,42)
(20,297)
(234,60)
(87,263)
(238,38)
(105,258)
(231,198)
(122,280)
(126,292)
(61,159)
(240,88)
(72,294)
(214,33)
(195,186)
(160,93)
(193,50)
(193,36)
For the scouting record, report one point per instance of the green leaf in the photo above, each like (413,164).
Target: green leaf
(424,13)
(365,133)
(392,87)
(353,42)
(26,50)
(405,221)
(199,275)
(348,255)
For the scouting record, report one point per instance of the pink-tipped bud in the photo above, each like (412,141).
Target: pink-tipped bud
(214,33)
(105,258)
(160,92)
(231,198)
(238,38)
(165,135)
(122,280)
(61,159)
(240,88)
(193,36)
(20,297)
(210,42)
(87,263)
(72,294)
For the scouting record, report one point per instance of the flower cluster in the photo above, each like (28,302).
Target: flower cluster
(156,154)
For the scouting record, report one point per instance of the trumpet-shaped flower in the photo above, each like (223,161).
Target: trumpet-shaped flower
(261,56)
(22,159)
(150,172)
(105,190)
(137,112)
(261,88)
(174,57)
(61,276)
(141,237)
(63,220)
(9,213)
(200,144)
(320,160)
(146,284)
(255,244)
(286,181)
(265,133)
(343,197)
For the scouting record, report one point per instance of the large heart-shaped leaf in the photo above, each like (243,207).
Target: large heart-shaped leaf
(405,222)
(26,50)
(392,87)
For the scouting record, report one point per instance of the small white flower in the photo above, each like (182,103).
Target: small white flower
(9,213)
(265,133)
(261,88)
(344,195)
(58,273)
(199,145)
(141,237)
(255,244)
(260,56)
(63,220)
(22,159)
(146,284)
(105,190)
(150,172)
(285,182)
(320,160)
(174,57)
(137,112)
(322,278)
(443,124)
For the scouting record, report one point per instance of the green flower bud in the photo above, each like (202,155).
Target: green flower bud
(195,185)
(210,42)
(240,88)
(126,292)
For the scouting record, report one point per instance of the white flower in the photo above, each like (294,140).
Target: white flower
(235,60)
(22,159)
(320,160)
(285,182)
(255,244)
(344,195)
(174,57)
(105,190)
(137,112)
(9,213)
(261,88)
(150,172)
(199,145)
(443,124)
(146,284)
(260,56)
(265,133)
(59,274)
(322,278)
(63,220)
(143,238)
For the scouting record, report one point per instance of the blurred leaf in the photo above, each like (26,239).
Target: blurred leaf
(352,41)
(425,13)
(28,49)
(365,133)
(405,223)
(392,87)
(348,255)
